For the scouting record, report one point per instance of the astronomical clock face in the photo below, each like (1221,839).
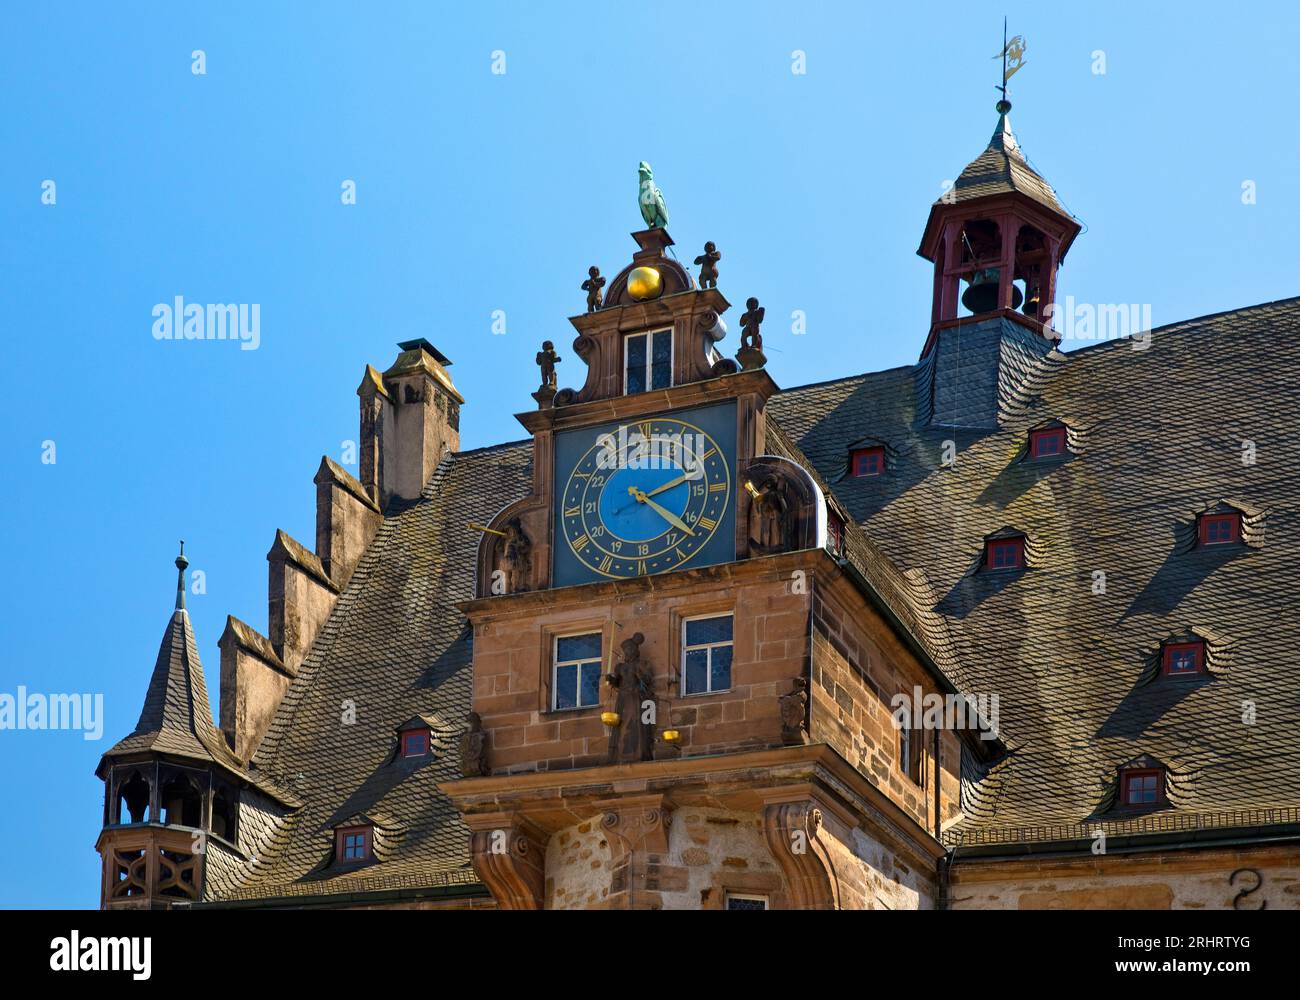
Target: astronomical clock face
(647,496)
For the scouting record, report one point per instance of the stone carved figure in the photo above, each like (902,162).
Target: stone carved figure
(633,683)
(708,262)
(750,335)
(473,748)
(592,286)
(794,712)
(772,511)
(514,556)
(547,359)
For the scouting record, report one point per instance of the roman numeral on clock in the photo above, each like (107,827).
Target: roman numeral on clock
(573,512)
(718,488)
(605,564)
(581,542)
(707,523)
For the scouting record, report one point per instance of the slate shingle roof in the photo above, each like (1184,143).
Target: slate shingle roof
(177,718)
(1156,436)
(394,648)
(1165,430)
(1002,169)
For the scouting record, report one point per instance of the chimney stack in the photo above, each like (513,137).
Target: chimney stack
(410,419)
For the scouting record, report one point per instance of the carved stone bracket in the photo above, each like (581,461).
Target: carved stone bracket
(795,837)
(509,856)
(637,829)
(636,823)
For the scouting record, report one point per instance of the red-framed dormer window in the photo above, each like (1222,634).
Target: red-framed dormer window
(1182,659)
(1220,529)
(352,844)
(1049,442)
(1005,553)
(1141,787)
(414,742)
(867,461)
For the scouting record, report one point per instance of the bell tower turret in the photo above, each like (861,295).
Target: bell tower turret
(996,239)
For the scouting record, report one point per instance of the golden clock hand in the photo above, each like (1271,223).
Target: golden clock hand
(663,512)
(667,486)
(632,491)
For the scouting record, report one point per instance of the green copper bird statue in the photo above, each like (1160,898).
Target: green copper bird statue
(653,209)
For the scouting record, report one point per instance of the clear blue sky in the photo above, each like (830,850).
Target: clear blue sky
(479,192)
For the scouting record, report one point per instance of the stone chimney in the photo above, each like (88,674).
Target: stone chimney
(410,419)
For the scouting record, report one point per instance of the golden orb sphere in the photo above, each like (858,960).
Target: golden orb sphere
(644,283)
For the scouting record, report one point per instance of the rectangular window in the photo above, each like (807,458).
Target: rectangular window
(1184,658)
(575,678)
(706,654)
(1047,443)
(834,533)
(1005,553)
(353,843)
(648,361)
(1141,788)
(909,753)
(1219,529)
(415,743)
(867,461)
(737,901)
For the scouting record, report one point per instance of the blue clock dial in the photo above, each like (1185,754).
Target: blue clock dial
(646,497)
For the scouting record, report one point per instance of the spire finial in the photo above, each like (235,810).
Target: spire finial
(181,563)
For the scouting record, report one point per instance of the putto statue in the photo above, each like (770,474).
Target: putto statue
(592,286)
(751,354)
(547,359)
(708,262)
(653,209)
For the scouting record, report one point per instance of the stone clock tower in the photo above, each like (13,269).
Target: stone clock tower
(646,732)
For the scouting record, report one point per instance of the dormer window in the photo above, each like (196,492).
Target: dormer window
(1141,787)
(1004,553)
(866,461)
(414,742)
(1047,442)
(352,844)
(647,361)
(1219,529)
(1181,659)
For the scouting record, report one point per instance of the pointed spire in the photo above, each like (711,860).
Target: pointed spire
(1003,138)
(177,716)
(181,563)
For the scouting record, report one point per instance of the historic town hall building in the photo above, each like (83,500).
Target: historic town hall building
(1004,628)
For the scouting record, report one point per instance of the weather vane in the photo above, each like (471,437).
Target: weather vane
(1013,60)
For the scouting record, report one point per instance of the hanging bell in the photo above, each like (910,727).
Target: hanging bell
(982,295)
(1031,303)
